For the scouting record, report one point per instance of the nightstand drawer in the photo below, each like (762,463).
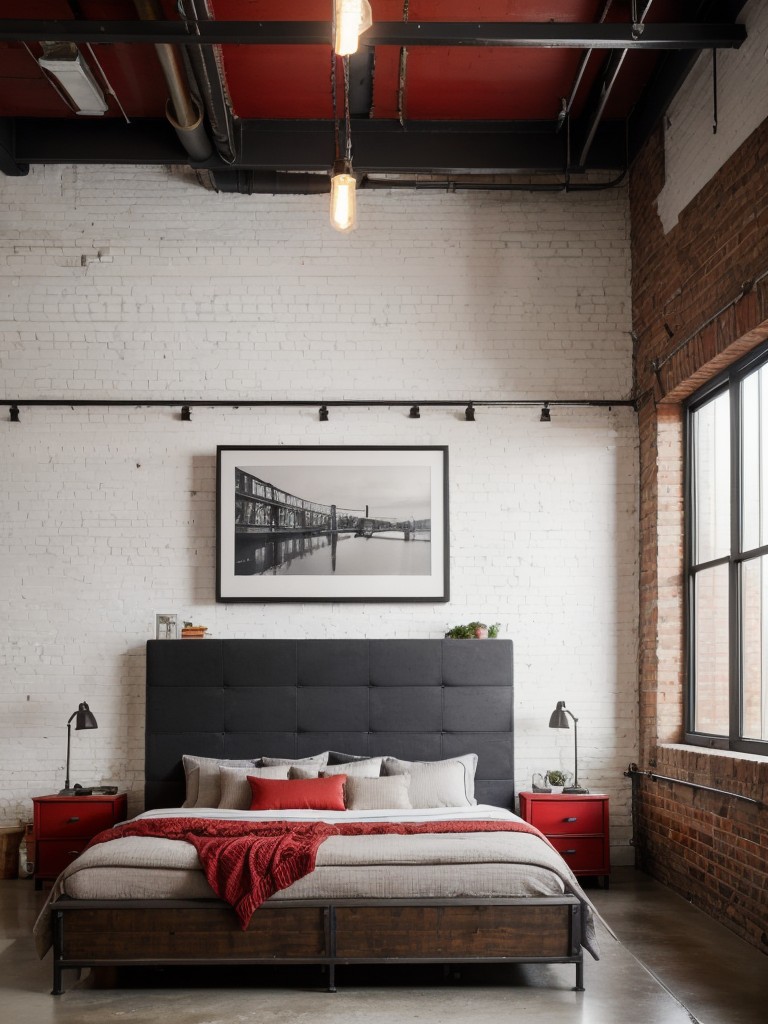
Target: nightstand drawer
(53,855)
(75,818)
(583,855)
(571,817)
(65,824)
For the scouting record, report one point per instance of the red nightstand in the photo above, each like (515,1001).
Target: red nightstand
(577,826)
(65,824)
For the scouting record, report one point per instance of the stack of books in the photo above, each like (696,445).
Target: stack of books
(193,632)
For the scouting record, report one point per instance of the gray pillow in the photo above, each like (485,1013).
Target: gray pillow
(235,791)
(336,757)
(364,794)
(202,778)
(449,783)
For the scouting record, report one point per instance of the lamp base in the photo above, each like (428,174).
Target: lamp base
(76,791)
(574,789)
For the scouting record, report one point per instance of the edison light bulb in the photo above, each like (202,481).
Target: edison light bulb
(351,17)
(343,206)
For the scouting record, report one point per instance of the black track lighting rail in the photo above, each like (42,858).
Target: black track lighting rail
(185,405)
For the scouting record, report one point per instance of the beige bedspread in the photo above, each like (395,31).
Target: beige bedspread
(477,864)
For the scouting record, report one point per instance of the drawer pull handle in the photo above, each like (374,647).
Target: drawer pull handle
(74,853)
(570,819)
(569,851)
(73,818)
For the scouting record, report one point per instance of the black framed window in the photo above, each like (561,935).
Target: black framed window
(726,509)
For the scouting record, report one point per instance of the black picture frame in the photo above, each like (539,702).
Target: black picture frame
(387,542)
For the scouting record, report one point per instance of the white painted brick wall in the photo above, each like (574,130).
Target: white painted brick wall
(692,153)
(107,516)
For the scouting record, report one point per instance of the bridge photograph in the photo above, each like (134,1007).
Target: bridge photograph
(332,523)
(332,520)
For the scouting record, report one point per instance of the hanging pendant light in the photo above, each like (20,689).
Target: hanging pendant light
(343,200)
(350,19)
(343,183)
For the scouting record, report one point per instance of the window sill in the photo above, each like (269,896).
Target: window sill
(715,752)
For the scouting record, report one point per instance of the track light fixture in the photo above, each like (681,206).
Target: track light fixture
(323,413)
(415,413)
(14,414)
(186,412)
(545,414)
(469,413)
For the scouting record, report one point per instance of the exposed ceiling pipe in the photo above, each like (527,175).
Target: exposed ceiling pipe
(274,183)
(207,72)
(297,183)
(187,115)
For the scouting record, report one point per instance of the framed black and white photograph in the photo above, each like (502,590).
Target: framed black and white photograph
(332,524)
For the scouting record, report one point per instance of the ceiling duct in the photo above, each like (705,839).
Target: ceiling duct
(187,115)
(64,63)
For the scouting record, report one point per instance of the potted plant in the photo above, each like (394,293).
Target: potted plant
(557,779)
(474,630)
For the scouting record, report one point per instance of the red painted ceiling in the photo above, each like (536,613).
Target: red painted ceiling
(442,83)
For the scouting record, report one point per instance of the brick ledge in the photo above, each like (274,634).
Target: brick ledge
(690,748)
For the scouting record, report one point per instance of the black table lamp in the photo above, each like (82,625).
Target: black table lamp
(559,720)
(84,720)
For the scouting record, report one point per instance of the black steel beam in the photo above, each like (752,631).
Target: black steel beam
(666,81)
(8,163)
(388,33)
(41,140)
(494,147)
(601,92)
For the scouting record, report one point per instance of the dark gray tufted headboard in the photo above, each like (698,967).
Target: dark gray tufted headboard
(415,699)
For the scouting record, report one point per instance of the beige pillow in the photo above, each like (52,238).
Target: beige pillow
(202,778)
(370,768)
(468,767)
(316,761)
(367,794)
(235,791)
(296,772)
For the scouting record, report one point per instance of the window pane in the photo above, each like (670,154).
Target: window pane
(711,479)
(754,611)
(754,404)
(710,650)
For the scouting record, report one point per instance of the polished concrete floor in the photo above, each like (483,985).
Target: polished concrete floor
(671,965)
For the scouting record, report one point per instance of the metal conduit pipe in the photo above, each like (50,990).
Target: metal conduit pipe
(276,183)
(250,182)
(187,116)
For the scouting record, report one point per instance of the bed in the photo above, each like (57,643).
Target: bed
(479,891)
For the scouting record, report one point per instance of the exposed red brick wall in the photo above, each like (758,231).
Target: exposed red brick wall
(711,849)
(699,282)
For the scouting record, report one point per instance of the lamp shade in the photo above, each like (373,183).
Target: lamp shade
(84,718)
(558,719)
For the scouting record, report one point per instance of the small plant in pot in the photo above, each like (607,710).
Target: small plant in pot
(474,631)
(557,779)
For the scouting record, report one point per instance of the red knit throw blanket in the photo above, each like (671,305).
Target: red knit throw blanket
(247,862)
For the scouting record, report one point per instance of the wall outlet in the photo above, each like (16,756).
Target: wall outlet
(167,626)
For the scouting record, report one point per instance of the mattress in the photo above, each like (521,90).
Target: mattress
(483,865)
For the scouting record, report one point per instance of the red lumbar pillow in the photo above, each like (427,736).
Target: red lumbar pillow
(297,794)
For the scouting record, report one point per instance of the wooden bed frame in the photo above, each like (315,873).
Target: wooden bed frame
(417,699)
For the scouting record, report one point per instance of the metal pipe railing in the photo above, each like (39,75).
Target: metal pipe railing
(634,772)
